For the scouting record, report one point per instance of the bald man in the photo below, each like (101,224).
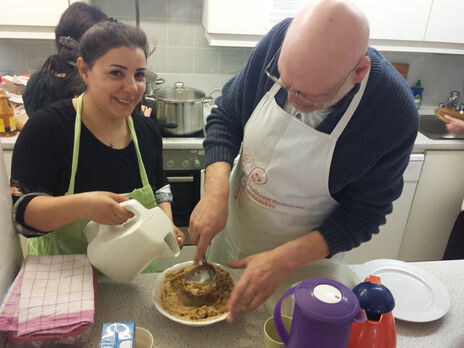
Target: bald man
(324,127)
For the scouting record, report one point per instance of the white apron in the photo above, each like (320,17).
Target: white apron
(279,188)
(280,185)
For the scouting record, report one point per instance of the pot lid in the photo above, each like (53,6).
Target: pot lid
(179,93)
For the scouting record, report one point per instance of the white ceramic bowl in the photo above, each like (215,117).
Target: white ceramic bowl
(156,298)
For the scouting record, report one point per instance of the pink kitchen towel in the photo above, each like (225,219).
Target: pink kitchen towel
(56,298)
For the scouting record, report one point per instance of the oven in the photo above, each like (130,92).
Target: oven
(185,171)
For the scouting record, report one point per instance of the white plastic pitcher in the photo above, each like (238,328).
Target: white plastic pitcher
(123,251)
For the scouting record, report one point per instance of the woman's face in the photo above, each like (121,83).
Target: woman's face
(116,82)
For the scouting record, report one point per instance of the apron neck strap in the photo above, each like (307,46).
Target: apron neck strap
(143,172)
(77,135)
(351,108)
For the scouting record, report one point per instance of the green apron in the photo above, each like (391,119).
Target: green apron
(70,239)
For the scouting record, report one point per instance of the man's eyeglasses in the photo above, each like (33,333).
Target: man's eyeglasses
(305,101)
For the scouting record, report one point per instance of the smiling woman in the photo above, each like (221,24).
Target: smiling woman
(92,153)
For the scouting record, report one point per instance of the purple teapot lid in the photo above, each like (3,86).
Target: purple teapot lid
(326,300)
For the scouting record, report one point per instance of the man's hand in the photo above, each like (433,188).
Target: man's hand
(210,215)
(265,271)
(262,276)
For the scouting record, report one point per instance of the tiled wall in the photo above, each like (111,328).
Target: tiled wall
(182,53)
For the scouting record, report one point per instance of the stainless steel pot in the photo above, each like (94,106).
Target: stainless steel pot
(180,109)
(152,83)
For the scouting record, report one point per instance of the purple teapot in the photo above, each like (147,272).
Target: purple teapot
(322,317)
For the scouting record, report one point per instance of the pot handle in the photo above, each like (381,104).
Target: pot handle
(150,98)
(167,125)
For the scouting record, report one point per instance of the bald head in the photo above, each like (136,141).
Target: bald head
(323,43)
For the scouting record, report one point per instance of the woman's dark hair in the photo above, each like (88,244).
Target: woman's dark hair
(74,22)
(104,36)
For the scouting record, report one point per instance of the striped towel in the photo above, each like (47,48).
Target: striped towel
(52,297)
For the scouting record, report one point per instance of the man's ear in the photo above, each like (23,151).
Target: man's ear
(362,69)
(83,69)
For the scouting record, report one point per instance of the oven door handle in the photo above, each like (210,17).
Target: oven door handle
(175,179)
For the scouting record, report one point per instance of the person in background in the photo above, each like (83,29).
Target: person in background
(454,125)
(78,158)
(58,78)
(324,126)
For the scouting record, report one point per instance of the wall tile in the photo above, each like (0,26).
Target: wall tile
(199,39)
(118,9)
(156,31)
(158,61)
(180,34)
(206,60)
(230,60)
(180,59)
(180,9)
(154,8)
(197,6)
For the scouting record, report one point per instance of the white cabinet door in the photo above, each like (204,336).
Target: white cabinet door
(30,19)
(235,17)
(446,22)
(396,19)
(436,205)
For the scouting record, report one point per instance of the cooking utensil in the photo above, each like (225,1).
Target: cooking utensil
(158,288)
(402,69)
(441,112)
(203,274)
(179,109)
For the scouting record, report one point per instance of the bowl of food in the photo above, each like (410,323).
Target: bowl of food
(192,304)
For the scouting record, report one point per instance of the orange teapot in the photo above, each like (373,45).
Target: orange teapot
(379,330)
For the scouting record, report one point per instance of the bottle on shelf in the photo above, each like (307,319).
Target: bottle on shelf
(417,92)
(7,120)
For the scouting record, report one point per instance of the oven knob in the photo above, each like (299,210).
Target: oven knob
(170,163)
(185,163)
(196,163)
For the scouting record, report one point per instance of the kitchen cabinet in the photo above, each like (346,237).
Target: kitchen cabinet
(396,25)
(387,243)
(445,22)
(396,19)
(436,205)
(26,19)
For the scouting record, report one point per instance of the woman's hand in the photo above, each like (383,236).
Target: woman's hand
(179,236)
(47,213)
(454,125)
(103,207)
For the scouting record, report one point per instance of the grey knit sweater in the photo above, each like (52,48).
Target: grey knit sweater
(370,156)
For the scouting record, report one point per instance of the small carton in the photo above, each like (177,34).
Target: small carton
(118,335)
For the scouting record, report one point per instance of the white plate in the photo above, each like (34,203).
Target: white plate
(156,298)
(419,296)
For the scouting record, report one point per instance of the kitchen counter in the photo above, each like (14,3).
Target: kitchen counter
(133,301)
(421,144)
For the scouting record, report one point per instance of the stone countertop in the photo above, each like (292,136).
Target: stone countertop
(133,301)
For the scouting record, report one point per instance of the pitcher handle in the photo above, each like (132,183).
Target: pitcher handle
(133,206)
(279,325)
